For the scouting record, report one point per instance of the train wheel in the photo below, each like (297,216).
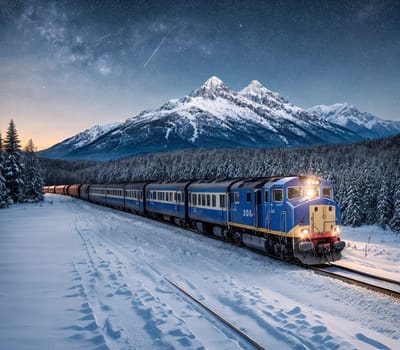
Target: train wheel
(237,238)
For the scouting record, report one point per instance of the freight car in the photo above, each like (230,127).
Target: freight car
(294,218)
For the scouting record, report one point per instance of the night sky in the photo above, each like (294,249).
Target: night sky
(68,65)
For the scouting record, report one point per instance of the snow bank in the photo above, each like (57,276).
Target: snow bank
(76,275)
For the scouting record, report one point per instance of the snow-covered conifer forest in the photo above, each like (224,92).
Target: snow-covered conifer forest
(21,177)
(365,175)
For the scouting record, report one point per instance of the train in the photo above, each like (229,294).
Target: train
(294,218)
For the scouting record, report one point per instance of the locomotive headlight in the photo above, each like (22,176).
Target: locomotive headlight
(304,232)
(337,230)
(310,192)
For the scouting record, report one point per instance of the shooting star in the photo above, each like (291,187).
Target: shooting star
(98,41)
(155,51)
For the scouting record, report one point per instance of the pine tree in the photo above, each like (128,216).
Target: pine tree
(3,188)
(395,222)
(13,164)
(33,178)
(384,209)
(352,214)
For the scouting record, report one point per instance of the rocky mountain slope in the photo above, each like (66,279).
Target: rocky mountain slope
(362,123)
(212,116)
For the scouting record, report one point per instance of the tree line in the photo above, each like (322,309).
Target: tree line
(365,175)
(21,176)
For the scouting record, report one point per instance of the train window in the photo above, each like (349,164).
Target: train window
(248,197)
(203,200)
(327,192)
(236,197)
(208,201)
(213,200)
(194,199)
(295,192)
(179,197)
(167,197)
(278,195)
(222,200)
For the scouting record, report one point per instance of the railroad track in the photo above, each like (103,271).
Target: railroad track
(220,318)
(360,278)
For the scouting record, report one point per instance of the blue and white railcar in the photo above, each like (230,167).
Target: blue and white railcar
(115,196)
(134,197)
(208,205)
(97,194)
(168,200)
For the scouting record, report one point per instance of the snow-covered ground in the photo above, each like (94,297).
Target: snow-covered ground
(74,275)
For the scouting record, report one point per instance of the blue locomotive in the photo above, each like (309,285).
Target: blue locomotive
(294,218)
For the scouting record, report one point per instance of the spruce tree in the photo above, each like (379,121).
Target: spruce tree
(33,178)
(13,164)
(3,188)
(384,209)
(395,222)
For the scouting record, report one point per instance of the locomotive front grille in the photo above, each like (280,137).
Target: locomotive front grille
(322,218)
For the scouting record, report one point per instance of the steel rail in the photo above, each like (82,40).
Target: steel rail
(218,316)
(367,274)
(354,281)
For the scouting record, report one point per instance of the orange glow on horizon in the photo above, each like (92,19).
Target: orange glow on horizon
(43,135)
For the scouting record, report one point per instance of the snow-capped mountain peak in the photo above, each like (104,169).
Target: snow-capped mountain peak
(211,89)
(256,88)
(213,116)
(257,92)
(213,83)
(362,123)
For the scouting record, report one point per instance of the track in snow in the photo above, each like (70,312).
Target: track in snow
(360,278)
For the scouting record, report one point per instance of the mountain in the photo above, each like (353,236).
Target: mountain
(60,150)
(212,116)
(361,123)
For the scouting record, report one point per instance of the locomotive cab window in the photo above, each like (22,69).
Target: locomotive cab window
(266,196)
(236,197)
(248,197)
(278,195)
(295,192)
(327,192)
